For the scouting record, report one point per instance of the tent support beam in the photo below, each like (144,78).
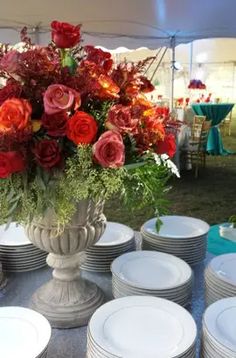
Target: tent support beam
(191,61)
(172,45)
(36,31)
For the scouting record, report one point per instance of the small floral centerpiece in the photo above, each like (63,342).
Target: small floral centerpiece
(75,125)
(196,84)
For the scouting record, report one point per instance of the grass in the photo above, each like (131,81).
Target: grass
(211,197)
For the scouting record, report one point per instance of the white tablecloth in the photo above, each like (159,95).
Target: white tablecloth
(182,142)
(71,343)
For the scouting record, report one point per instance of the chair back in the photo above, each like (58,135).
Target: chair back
(225,125)
(199,132)
(206,125)
(197,127)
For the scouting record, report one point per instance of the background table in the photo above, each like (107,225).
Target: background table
(216,113)
(217,245)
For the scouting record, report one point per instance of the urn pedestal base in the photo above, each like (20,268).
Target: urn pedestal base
(67,300)
(67,304)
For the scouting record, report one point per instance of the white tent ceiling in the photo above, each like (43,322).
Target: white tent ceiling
(129,23)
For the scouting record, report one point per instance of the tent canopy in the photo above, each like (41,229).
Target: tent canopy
(129,23)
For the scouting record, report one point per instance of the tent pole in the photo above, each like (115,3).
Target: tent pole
(191,61)
(172,45)
(36,34)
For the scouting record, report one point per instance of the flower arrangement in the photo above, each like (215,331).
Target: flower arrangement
(204,99)
(182,102)
(73,125)
(196,84)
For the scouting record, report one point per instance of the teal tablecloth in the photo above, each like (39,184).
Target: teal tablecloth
(217,245)
(216,113)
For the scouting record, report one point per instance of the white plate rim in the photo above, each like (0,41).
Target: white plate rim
(185,269)
(102,314)
(178,218)
(39,321)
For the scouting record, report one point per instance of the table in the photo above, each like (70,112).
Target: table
(71,343)
(218,245)
(216,113)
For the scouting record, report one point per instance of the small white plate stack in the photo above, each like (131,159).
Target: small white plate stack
(154,274)
(24,333)
(181,236)
(219,327)
(141,326)
(116,240)
(17,253)
(220,278)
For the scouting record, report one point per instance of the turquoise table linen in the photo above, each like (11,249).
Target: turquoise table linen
(217,245)
(216,113)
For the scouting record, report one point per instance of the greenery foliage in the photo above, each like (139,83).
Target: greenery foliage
(26,196)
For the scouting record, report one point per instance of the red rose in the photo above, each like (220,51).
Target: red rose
(55,124)
(47,153)
(9,61)
(167,146)
(65,35)
(109,150)
(59,98)
(81,128)
(11,90)
(15,115)
(120,119)
(11,162)
(99,57)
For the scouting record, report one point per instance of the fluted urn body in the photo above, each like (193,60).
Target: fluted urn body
(67,300)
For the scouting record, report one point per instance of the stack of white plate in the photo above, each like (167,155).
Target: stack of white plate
(17,253)
(152,273)
(220,278)
(24,333)
(141,326)
(219,327)
(181,236)
(2,279)
(116,240)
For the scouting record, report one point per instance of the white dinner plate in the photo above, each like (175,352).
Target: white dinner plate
(174,226)
(141,326)
(24,333)
(187,250)
(172,292)
(115,234)
(151,270)
(220,320)
(14,235)
(218,284)
(181,243)
(224,267)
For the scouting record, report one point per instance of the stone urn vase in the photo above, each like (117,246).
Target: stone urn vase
(67,300)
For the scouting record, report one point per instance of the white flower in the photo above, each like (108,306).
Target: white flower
(20,47)
(165,160)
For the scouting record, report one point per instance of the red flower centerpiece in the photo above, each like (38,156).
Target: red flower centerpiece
(62,101)
(196,84)
(75,129)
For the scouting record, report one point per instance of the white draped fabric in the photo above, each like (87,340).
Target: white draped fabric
(129,23)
